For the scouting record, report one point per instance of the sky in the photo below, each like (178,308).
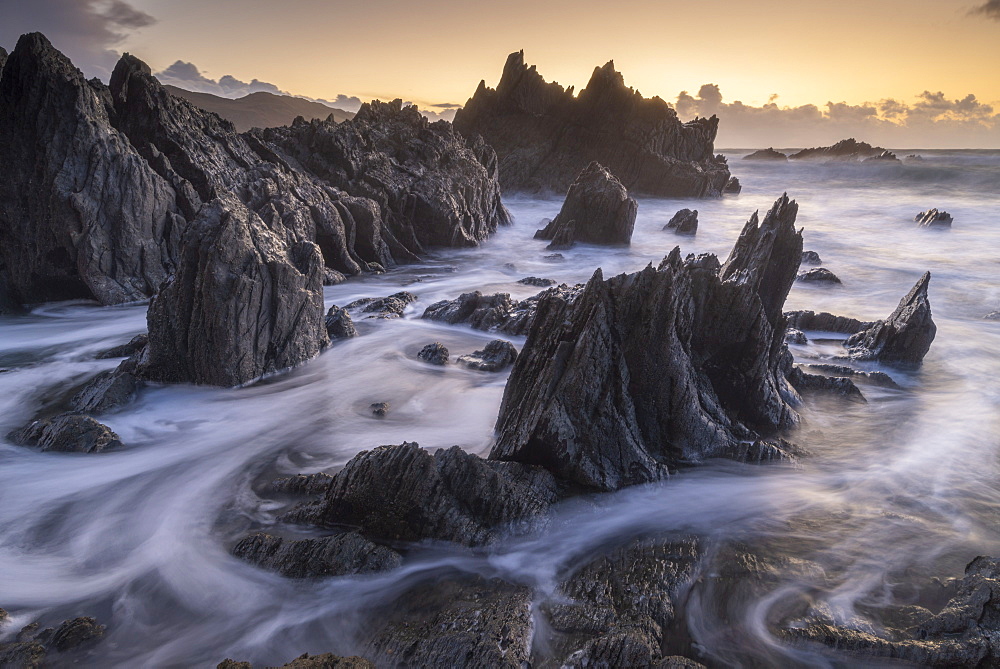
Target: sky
(783,72)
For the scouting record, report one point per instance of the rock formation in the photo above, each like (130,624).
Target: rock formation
(811,258)
(933,218)
(434,354)
(824,322)
(684,222)
(767,154)
(339,324)
(544,135)
(307,661)
(67,433)
(597,210)
(905,336)
(536,281)
(497,312)
(818,275)
(345,553)
(644,371)
(498,354)
(844,150)
(33,645)
(391,306)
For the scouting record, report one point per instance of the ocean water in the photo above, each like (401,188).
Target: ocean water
(892,495)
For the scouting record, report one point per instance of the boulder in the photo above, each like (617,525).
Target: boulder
(793,336)
(904,337)
(933,218)
(818,275)
(434,354)
(544,135)
(302,484)
(339,324)
(380,409)
(337,555)
(536,281)
(67,433)
(824,321)
(243,303)
(392,306)
(767,154)
(494,312)
(816,383)
(31,647)
(733,186)
(597,210)
(497,355)
(644,371)
(112,389)
(875,378)
(684,222)
(811,258)
(844,150)
(884,156)
(130,348)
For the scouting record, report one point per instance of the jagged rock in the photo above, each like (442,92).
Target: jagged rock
(844,150)
(644,371)
(302,484)
(837,385)
(75,633)
(544,135)
(913,158)
(3,59)
(497,355)
(811,258)
(537,281)
(380,409)
(242,304)
(733,186)
(30,649)
(553,257)
(904,337)
(110,390)
(818,275)
(392,306)
(884,156)
(339,324)
(67,433)
(597,210)
(403,493)
(875,378)
(307,661)
(434,354)
(684,222)
(933,218)
(131,347)
(494,312)
(825,322)
(793,336)
(346,553)
(767,154)
(332,277)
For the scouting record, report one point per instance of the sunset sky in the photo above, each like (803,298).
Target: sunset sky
(435,52)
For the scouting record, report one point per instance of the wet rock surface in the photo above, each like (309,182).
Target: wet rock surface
(133,346)
(811,258)
(434,354)
(67,433)
(498,354)
(905,336)
(825,322)
(307,661)
(346,553)
(111,390)
(684,222)
(875,378)
(339,324)
(380,409)
(805,382)
(32,648)
(536,281)
(767,154)
(933,218)
(844,150)
(818,275)
(544,135)
(580,399)
(392,306)
(497,312)
(597,210)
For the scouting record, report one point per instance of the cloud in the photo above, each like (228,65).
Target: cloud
(87,31)
(989,9)
(447,105)
(189,77)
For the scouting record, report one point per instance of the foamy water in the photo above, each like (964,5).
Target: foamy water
(892,493)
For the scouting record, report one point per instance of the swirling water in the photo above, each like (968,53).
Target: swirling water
(891,493)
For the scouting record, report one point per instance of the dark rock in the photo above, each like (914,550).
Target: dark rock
(242,304)
(992,316)
(307,661)
(933,218)
(495,312)
(553,257)
(793,336)
(403,493)
(30,649)
(645,371)
(844,150)
(913,158)
(767,154)
(536,281)
(544,135)
(904,337)
(22,654)
(434,354)
(67,433)
(875,378)
(133,346)
(811,258)
(818,275)
(885,156)
(684,222)
(824,322)
(302,484)
(388,307)
(110,390)
(380,409)
(732,187)
(76,633)
(497,355)
(597,210)
(837,385)
(339,324)
(346,553)
(332,277)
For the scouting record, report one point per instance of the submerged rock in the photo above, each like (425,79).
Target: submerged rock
(933,218)
(392,306)
(818,275)
(844,150)
(905,336)
(767,154)
(644,371)
(684,222)
(837,385)
(597,210)
(339,324)
(133,346)
(793,336)
(31,647)
(302,484)
(307,661)
(873,377)
(811,258)
(67,433)
(494,312)
(536,281)
(434,354)
(110,390)
(544,135)
(497,355)
(346,553)
(824,322)
(380,409)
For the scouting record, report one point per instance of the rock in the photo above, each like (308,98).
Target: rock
(243,303)
(332,277)
(30,649)
(885,156)
(793,336)
(992,316)
(497,355)
(824,322)
(597,210)
(67,433)
(933,218)
(76,633)
(684,222)
(536,281)
(307,661)
(767,154)
(844,150)
(875,378)
(913,158)
(346,553)
(732,187)
(904,337)
(133,346)
(811,258)
(403,493)
(302,484)
(110,390)
(339,324)
(836,385)
(648,370)
(434,354)
(544,135)
(818,275)
(380,409)
(553,257)
(387,307)
(495,312)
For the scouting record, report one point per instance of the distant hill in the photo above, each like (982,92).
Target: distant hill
(260,110)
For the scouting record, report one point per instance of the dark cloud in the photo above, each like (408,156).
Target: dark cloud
(88,31)
(989,9)
(447,105)
(189,77)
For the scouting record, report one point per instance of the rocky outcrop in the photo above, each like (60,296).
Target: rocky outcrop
(933,218)
(767,154)
(403,493)
(111,390)
(684,222)
(844,150)
(498,354)
(597,210)
(391,306)
(818,275)
(307,661)
(811,258)
(818,383)
(32,647)
(645,371)
(905,336)
(434,354)
(346,553)
(129,348)
(339,324)
(243,303)
(497,312)
(544,135)
(536,281)
(875,378)
(67,433)
(824,321)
